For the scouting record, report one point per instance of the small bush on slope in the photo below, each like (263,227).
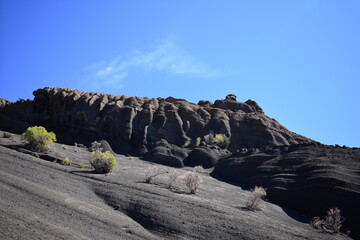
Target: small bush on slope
(192,181)
(332,223)
(198,169)
(103,162)
(152,172)
(173,177)
(254,202)
(38,138)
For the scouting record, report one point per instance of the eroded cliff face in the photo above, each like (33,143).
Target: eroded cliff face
(134,124)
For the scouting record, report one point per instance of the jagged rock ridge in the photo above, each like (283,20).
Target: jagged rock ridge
(134,124)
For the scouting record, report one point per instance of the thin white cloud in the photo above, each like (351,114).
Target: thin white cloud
(164,57)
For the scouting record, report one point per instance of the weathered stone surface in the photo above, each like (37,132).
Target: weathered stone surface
(166,154)
(133,124)
(205,156)
(311,178)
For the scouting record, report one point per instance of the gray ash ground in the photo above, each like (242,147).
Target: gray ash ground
(42,199)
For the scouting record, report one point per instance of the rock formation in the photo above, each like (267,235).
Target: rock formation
(311,178)
(132,125)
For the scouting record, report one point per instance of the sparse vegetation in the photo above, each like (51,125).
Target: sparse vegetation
(199,169)
(7,135)
(95,145)
(192,181)
(219,139)
(66,161)
(186,144)
(254,202)
(332,223)
(198,141)
(209,138)
(63,147)
(82,165)
(103,162)
(173,177)
(151,173)
(38,138)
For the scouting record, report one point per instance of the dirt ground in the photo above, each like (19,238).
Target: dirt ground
(43,199)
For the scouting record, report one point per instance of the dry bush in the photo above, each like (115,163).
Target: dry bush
(198,169)
(332,223)
(95,145)
(173,177)
(192,181)
(254,202)
(152,172)
(7,135)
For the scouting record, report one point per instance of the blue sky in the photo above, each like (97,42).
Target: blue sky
(300,60)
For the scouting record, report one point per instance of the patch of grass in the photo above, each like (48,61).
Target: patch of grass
(66,162)
(82,165)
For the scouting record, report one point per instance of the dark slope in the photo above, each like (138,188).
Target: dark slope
(310,178)
(45,200)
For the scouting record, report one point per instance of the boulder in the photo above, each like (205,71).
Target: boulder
(166,154)
(203,156)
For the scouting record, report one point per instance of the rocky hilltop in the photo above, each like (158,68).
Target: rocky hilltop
(134,124)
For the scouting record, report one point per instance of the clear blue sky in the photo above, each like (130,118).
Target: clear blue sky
(300,60)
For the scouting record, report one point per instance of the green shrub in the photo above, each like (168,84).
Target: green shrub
(186,144)
(221,140)
(38,138)
(198,141)
(103,162)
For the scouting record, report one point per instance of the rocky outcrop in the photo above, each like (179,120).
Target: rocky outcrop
(311,178)
(167,154)
(205,156)
(134,124)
